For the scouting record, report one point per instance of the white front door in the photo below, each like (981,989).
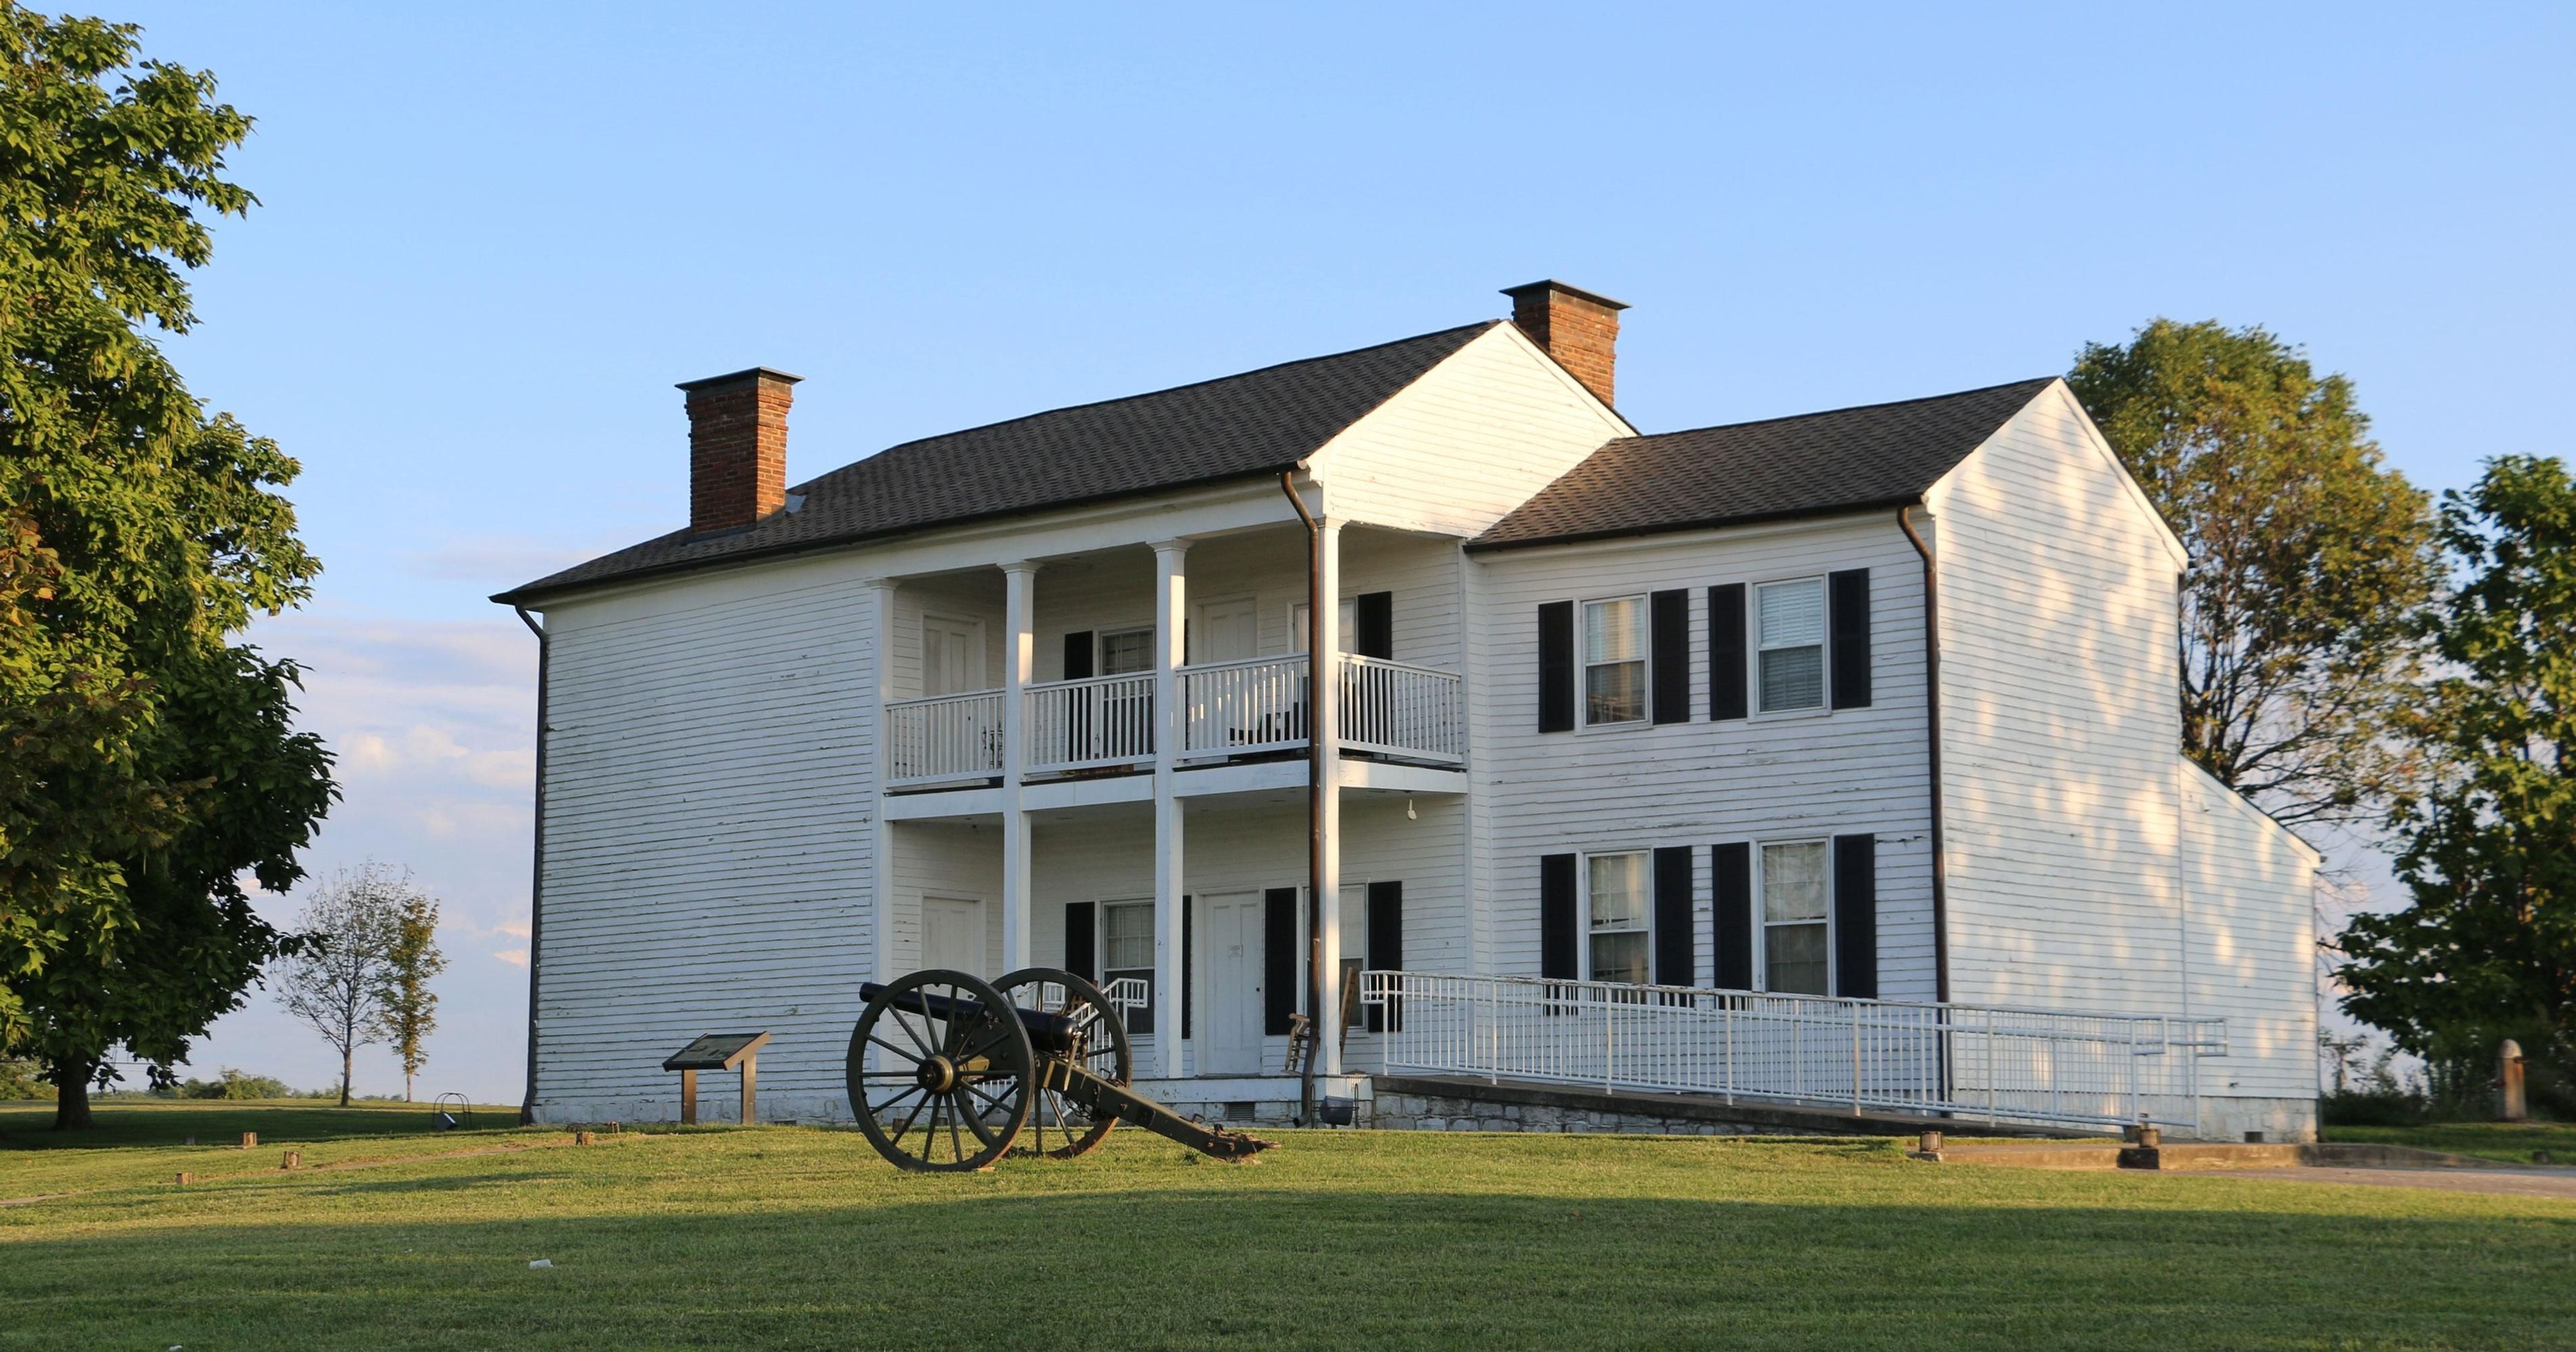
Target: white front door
(1226,630)
(952,655)
(952,934)
(1232,1021)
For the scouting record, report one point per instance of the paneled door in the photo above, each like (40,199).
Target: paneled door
(1226,629)
(1231,1041)
(952,934)
(952,656)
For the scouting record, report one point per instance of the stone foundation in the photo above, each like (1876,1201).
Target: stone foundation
(1436,1112)
(2228,1119)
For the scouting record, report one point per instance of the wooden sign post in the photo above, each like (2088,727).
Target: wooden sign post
(718,1051)
(2513,1104)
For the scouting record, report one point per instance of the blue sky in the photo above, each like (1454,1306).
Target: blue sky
(493,236)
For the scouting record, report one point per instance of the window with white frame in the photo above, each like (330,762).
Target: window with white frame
(1614,661)
(1795,923)
(1299,630)
(1617,936)
(1126,650)
(1792,644)
(1127,950)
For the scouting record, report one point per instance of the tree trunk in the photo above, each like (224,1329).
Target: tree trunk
(71,1095)
(406,1086)
(344,1078)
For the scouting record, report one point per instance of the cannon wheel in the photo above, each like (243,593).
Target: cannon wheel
(943,1095)
(1064,1129)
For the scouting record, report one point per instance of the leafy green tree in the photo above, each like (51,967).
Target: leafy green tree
(150,762)
(2308,556)
(406,1008)
(337,981)
(2487,949)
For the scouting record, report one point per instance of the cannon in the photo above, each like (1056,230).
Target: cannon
(946,1071)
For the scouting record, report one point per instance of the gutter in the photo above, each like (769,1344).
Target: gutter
(1317,785)
(1932,748)
(537,867)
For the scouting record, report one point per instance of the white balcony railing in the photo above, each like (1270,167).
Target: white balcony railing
(944,737)
(1080,725)
(1982,1063)
(1251,705)
(1246,707)
(1400,710)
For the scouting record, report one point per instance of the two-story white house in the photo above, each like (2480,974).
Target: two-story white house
(1820,759)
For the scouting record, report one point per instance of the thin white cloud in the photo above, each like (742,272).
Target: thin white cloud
(432,722)
(493,562)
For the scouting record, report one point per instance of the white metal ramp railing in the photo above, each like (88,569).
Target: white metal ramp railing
(1974,1062)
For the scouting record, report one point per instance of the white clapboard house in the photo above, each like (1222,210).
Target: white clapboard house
(1821,762)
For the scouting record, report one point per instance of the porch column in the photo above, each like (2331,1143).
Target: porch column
(881,831)
(1019,656)
(1328,734)
(1171,725)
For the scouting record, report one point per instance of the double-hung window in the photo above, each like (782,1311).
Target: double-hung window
(1123,651)
(1127,950)
(1618,929)
(1792,644)
(1614,661)
(1794,924)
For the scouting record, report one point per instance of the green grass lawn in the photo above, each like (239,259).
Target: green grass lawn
(801,1237)
(2516,1141)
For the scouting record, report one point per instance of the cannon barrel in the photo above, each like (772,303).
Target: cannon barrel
(1049,1034)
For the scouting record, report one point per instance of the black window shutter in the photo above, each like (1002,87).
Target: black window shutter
(1674,932)
(1733,865)
(1556,667)
(1077,655)
(1080,940)
(1385,939)
(1556,918)
(1187,916)
(1726,651)
(1847,594)
(1668,618)
(1376,624)
(1278,959)
(1856,917)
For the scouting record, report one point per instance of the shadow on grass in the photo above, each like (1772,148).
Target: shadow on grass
(30,1126)
(1313,1268)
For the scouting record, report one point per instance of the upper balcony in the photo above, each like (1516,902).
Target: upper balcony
(1247,707)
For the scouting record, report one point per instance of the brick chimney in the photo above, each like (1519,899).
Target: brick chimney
(737,448)
(1578,328)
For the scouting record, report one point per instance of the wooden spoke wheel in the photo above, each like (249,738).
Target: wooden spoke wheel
(1096,1041)
(940,1072)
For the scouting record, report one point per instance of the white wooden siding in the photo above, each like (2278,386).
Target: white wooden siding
(945,859)
(2252,926)
(1475,437)
(1116,591)
(2061,724)
(1698,783)
(709,796)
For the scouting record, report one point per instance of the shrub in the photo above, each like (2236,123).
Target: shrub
(18,1081)
(235,1085)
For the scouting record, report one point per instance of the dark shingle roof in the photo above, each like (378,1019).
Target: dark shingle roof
(1881,455)
(1260,422)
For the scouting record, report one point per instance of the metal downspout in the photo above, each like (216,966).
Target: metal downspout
(537,867)
(1317,767)
(1932,722)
